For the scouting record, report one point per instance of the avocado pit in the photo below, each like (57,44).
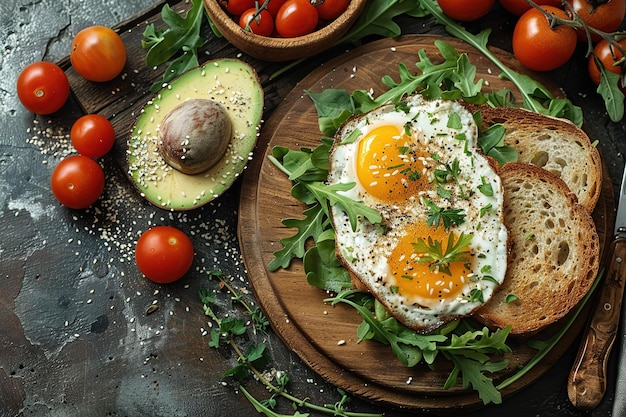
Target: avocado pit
(194,136)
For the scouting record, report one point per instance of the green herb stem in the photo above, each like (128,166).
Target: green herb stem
(336,410)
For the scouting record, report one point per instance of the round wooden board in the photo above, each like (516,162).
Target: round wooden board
(296,310)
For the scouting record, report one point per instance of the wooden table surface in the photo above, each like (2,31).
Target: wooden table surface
(75,339)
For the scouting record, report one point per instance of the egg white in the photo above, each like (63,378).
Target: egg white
(365,251)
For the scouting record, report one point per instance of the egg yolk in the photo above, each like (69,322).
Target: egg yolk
(388,164)
(415,280)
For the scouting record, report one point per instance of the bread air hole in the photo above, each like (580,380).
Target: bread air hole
(563,253)
(540,159)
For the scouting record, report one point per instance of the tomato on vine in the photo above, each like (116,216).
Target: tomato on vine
(519,7)
(606,16)
(92,135)
(164,254)
(260,23)
(608,56)
(296,18)
(331,9)
(537,45)
(466,11)
(98,53)
(43,87)
(77,181)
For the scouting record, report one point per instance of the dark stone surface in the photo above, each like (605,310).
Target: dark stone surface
(75,339)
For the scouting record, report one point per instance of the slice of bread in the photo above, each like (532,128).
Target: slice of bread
(555,252)
(554,144)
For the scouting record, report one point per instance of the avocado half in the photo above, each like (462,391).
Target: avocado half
(235,86)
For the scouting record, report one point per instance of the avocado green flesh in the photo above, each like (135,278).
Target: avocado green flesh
(231,83)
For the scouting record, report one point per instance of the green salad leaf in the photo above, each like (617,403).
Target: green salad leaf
(181,39)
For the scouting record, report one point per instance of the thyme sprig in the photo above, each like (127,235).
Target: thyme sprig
(250,362)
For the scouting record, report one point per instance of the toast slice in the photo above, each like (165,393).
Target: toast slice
(554,144)
(555,252)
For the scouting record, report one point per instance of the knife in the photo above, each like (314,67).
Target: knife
(587,380)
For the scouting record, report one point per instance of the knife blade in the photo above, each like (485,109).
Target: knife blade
(588,378)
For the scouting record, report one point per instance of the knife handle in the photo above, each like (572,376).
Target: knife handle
(587,379)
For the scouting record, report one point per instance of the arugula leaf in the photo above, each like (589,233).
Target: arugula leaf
(398,342)
(470,350)
(300,164)
(182,34)
(610,92)
(333,107)
(534,95)
(354,209)
(491,142)
(377,19)
(294,246)
(323,268)
(473,373)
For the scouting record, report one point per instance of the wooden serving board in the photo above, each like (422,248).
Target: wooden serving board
(312,329)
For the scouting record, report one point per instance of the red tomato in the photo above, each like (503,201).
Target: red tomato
(98,53)
(608,55)
(332,9)
(606,17)
(262,24)
(164,254)
(92,135)
(273,6)
(42,87)
(539,47)
(466,11)
(296,18)
(237,7)
(77,181)
(518,7)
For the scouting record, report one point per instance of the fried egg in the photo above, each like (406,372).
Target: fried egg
(440,250)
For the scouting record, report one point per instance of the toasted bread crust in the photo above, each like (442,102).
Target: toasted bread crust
(555,252)
(554,144)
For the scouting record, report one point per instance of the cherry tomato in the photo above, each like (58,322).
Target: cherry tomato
(608,55)
(92,135)
(42,87)
(273,6)
(539,47)
(98,53)
(164,254)
(237,7)
(604,16)
(332,9)
(77,181)
(296,18)
(518,7)
(262,25)
(466,11)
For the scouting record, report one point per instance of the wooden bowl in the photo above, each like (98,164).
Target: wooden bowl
(283,49)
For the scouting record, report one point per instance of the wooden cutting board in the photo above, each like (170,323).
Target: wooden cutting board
(323,336)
